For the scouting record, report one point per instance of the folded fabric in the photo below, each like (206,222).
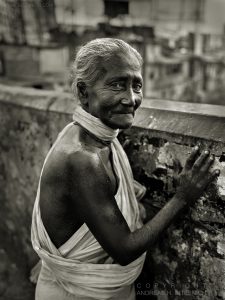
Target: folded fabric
(80,266)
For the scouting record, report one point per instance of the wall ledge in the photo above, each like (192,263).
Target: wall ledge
(186,107)
(168,119)
(37,99)
(174,120)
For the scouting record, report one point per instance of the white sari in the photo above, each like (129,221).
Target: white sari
(80,268)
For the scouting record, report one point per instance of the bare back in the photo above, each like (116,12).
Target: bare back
(61,215)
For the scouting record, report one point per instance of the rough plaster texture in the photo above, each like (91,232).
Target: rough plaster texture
(187,262)
(30,122)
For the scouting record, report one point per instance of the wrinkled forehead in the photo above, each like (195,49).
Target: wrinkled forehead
(121,60)
(121,66)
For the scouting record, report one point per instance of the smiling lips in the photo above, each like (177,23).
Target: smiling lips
(123,112)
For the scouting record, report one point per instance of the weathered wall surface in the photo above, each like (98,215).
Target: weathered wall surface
(30,122)
(188,261)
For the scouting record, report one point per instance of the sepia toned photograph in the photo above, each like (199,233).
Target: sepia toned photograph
(112,149)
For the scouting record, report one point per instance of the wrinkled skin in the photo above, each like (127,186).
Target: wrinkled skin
(115,98)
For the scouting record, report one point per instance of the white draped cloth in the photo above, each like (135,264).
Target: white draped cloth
(80,267)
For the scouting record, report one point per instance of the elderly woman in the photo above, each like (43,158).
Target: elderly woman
(86,224)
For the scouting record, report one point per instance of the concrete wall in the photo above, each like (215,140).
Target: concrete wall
(34,64)
(30,121)
(188,260)
(20,61)
(189,257)
(54,60)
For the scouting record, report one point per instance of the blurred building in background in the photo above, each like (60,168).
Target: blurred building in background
(27,52)
(182,42)
(12,28)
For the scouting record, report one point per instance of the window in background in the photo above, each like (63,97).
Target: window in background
(114,8)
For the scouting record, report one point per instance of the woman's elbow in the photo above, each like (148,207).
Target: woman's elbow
(124,259)
(126,253)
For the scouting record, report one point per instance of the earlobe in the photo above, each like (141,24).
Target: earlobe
(84,101)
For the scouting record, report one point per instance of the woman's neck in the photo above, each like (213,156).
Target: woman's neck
(92,140)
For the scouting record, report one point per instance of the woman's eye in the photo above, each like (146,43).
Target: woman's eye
(137,87)
(117,85)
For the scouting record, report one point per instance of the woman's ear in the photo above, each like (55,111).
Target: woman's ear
(82,93)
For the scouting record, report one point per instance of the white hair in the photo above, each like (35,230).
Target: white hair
(88,68)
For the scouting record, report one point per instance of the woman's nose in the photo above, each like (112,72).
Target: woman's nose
(129,98)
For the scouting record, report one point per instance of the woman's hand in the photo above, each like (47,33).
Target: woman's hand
(195,176)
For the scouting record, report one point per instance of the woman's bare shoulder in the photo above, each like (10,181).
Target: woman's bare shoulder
(70,151)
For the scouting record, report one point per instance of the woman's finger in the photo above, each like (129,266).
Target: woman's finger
(208,163)
(192,158)
(201,160)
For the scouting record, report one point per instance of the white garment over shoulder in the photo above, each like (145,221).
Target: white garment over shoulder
(80,268)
